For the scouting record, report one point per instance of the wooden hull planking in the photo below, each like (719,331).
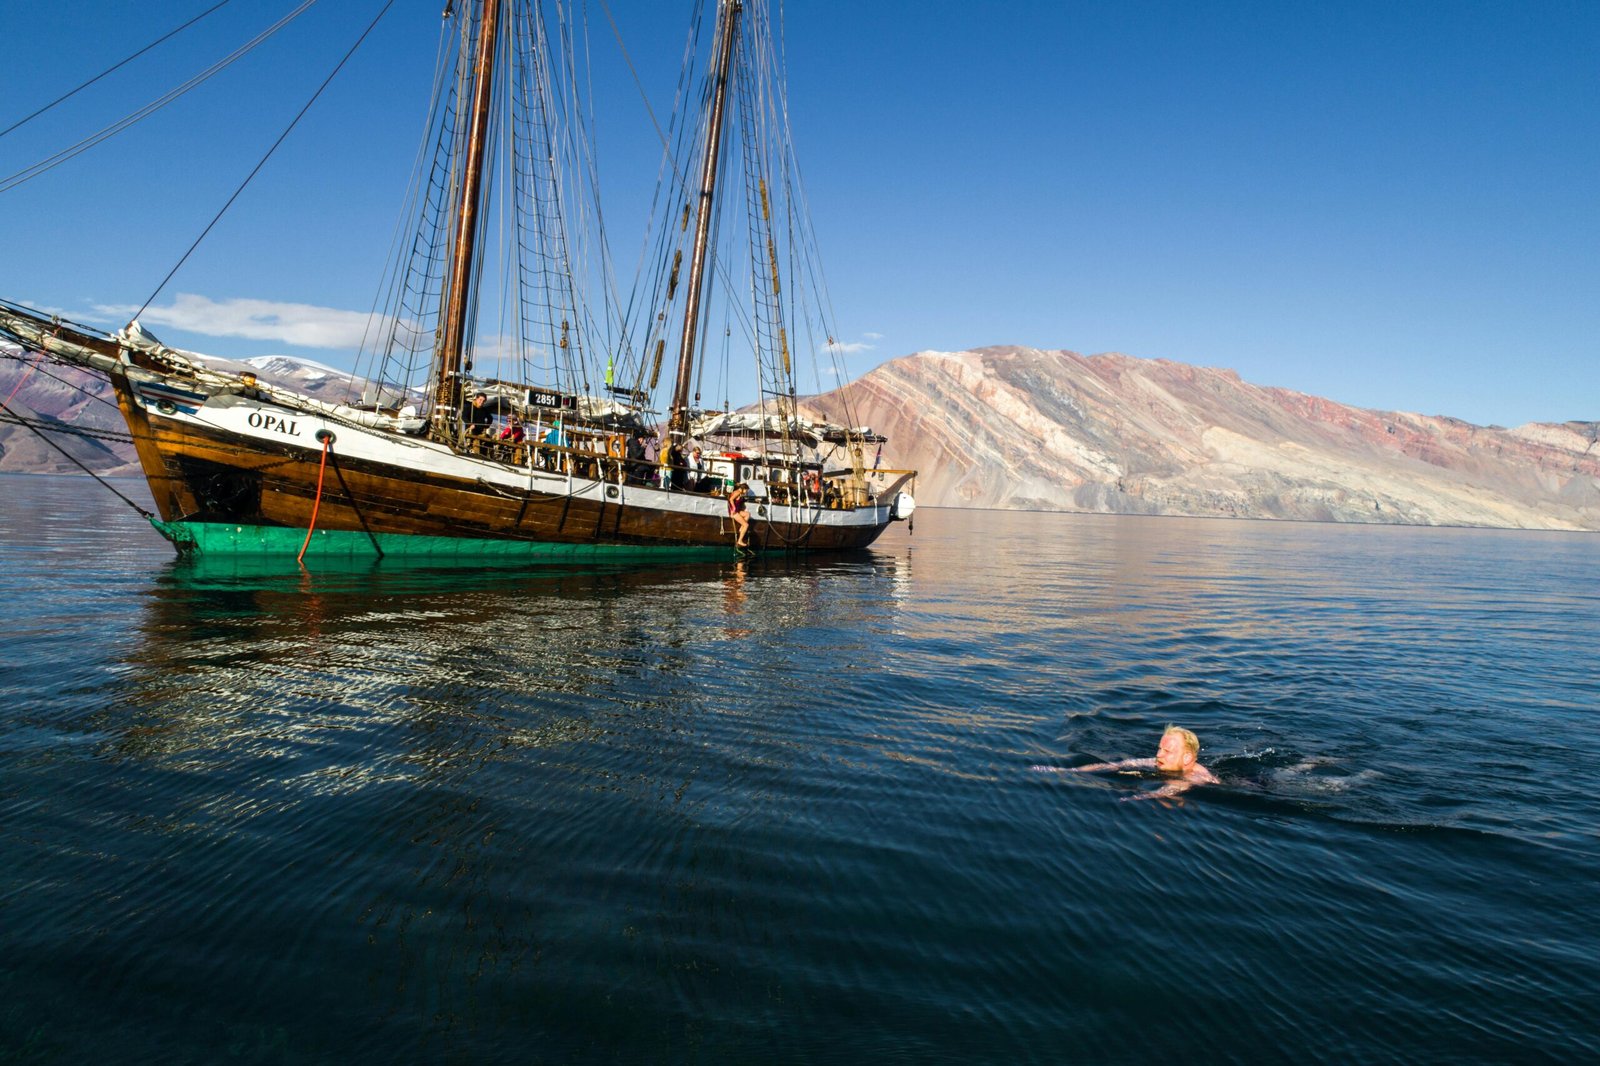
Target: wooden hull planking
(204,472)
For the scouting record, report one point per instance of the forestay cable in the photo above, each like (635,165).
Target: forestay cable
(64,97)
(281,138)
(147,110)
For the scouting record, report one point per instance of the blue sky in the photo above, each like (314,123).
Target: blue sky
(1394,205)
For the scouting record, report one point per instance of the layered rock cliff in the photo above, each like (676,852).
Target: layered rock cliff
(1024,428)
(1054,430)
(85,427)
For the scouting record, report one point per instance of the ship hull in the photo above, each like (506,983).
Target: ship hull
(234,473)
(213,539)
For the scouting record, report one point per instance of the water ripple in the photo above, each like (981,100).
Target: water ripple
(785,810)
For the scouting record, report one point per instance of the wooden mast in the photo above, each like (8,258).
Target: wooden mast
(678,420)
(453,328)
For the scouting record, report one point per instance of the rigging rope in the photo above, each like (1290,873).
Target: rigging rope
(50,425)
(60,380)
(149,109)
(26,374)
(74,460)
(390,296)
(281,138)
(316,504)
(64,97)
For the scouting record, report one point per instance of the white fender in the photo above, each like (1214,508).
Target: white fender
(902,507)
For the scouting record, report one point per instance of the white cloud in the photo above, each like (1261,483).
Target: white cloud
(302,324)
(835,347)
(502,347)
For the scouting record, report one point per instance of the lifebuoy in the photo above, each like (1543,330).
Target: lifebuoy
(614,446)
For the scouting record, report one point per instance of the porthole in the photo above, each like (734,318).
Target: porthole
(611,491)
(166,407)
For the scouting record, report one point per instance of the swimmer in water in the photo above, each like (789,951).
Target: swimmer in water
(1178,754)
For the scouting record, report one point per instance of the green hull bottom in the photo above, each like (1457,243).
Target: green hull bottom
(219,539)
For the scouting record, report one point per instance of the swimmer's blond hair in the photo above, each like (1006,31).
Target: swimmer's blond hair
(1191,743)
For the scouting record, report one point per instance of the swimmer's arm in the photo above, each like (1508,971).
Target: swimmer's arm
(1197,775)
(1123,764)
(1166,791)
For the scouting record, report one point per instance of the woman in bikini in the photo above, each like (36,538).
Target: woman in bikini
(736,511)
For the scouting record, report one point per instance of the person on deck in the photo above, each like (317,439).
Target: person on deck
(1177,755)
(672,466)
(638,465)
(697,471)
(741,519)
(514,432)
(476,415)
(553,439)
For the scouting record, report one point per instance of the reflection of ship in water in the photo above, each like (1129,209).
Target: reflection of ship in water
(490,772)
(431,625)
(431,663)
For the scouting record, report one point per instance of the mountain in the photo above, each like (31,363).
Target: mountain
(1053,430)
(1023,428)
(91,430)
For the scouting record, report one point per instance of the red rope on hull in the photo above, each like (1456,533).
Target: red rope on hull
(327,446)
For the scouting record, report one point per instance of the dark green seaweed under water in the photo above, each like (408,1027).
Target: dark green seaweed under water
(784,811)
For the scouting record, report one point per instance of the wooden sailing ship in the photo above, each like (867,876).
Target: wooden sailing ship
(542,459)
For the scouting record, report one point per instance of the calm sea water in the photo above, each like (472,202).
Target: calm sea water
(784,810)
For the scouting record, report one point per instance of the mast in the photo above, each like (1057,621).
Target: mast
(678,420)
(453,328)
